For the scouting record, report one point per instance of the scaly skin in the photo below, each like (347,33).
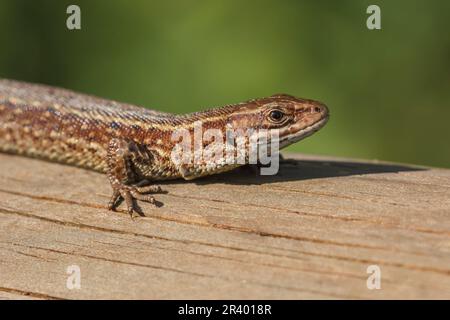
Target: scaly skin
(131,144)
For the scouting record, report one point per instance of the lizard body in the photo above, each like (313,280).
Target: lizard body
(131,144)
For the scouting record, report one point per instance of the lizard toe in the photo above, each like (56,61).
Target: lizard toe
(148,189)
(113,202)
(143,197)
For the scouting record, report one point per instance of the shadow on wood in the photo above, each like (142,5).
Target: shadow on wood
(293,170)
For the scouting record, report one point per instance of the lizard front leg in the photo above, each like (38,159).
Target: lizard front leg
(125,181)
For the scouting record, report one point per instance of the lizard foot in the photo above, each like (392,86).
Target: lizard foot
(132,193)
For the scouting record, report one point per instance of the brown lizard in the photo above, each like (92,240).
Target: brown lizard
(132,144)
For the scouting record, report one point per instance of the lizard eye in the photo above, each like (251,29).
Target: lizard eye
(276,115)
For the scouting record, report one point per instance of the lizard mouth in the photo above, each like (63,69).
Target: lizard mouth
(303,133)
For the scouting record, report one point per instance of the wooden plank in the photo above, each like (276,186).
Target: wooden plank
(309,232)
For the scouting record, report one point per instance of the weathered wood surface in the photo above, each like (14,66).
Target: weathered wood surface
(310,232)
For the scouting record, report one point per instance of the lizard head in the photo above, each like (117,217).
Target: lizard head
(294,118)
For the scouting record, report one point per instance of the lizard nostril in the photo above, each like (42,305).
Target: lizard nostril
(317,109)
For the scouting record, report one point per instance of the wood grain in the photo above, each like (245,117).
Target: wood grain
(309,232)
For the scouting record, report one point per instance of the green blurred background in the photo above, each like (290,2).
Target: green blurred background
(388,90)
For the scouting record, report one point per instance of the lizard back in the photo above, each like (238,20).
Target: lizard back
(65,126)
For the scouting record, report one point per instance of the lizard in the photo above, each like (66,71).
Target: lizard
(131,144)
